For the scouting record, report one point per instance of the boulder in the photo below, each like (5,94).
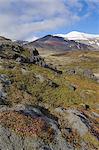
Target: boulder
(35,58)
(89,74)
(73,118)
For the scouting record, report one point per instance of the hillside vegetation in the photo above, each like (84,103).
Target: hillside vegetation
(51,103)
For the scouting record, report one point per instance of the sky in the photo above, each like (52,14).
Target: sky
(30,19)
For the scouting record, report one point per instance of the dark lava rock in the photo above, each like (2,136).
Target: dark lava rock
(35,52)
(36,58)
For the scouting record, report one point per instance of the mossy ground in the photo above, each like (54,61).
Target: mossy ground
(26,88)
(40,92)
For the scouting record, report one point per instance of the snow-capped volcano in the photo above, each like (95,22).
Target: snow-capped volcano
(74,35)
(85,38)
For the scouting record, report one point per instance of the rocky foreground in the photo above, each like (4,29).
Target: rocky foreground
(45,108)
(33,127)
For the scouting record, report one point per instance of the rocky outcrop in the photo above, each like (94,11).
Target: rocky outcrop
(21,55)
(35,58)
(4,82)
(27,127)
(39,131)
(4,40)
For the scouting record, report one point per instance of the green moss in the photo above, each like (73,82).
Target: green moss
(26,53)
(88,138)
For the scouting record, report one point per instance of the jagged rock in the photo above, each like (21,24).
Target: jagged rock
(35,52)
(36,58)
(14,51)
(4,81)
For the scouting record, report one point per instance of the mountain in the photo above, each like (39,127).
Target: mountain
(58,44)
(74,35)
(20,42)
(89,39)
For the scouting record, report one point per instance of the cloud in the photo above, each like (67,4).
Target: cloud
(79,4)
(26,18)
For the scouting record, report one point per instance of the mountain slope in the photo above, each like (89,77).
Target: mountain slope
(57,44)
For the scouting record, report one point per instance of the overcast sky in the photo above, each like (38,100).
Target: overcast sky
(28,19)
